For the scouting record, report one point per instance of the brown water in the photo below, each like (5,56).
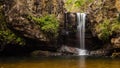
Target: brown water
(59,62)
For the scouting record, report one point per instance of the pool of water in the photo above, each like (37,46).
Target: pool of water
(59,62)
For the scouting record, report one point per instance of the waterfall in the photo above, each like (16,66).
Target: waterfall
(81,32)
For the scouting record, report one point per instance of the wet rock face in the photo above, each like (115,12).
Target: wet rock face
(17,10)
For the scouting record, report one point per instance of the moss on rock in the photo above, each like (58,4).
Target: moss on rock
(48,24)
(107,28)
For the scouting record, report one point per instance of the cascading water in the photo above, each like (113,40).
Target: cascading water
(81,32)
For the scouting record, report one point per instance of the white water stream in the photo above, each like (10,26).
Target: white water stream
(81,32)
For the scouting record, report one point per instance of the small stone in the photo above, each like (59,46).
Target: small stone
(116,42)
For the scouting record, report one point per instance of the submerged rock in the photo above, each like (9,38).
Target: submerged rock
(38,53)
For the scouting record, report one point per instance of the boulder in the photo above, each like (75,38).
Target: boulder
(68,50)
(116,42)
(16,12)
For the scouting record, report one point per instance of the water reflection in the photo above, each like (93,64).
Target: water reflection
(82,62)
(59,62)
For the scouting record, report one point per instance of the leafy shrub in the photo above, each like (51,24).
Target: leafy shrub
(107,28)
(115,27)
(103,30)
(9,37)
(72,5)
(48,24)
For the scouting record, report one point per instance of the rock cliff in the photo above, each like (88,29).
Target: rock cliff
(16,12)
(19,24)
(104,22)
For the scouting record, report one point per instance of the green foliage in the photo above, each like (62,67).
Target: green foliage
(71,4)
(115,27)
(79,3)
(107,28)
(9,37)
(103,30)
(48,24)
(75,4)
